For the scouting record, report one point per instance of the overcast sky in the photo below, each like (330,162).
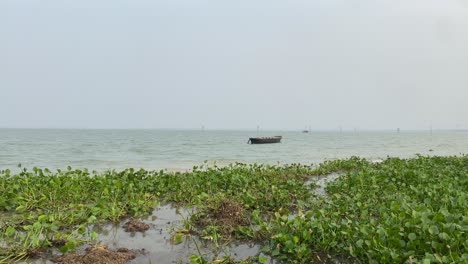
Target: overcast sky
(365,64)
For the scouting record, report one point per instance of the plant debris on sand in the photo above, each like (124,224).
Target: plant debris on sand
(34,252)
(98,254)
(225,214)
(135,225)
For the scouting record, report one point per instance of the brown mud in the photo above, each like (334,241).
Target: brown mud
(35,252)
(98,254)
(134,225)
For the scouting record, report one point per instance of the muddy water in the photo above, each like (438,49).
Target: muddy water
(155,245)
(156,242)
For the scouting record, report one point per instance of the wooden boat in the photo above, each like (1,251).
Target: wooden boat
(265,140)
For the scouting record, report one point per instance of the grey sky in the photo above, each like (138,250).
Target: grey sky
(366,64)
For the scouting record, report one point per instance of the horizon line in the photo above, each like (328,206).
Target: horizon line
(246,129)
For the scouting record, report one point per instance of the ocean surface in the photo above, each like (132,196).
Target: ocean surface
(181,150)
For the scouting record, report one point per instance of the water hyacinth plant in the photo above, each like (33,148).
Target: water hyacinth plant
(399,210)
(413,211)
(40,207)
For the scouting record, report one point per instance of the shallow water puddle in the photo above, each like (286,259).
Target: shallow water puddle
(322,182)
(155,245)
(155,242)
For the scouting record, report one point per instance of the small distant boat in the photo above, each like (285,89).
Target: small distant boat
(265,140)
(305,131)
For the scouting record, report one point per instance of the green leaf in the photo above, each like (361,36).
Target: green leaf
(433,230)
(275,252)
(94,235)
(412,236)
(296,239)
(444,236)
(42,218)
(70,245)
(10,231)
(177,239)
(91,219)
(54,227)
(359,243)
(20,209)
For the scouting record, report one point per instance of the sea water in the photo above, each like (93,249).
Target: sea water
(183,149)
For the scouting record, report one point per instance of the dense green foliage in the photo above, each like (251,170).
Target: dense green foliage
(399,210)
(40,207)
(396,211)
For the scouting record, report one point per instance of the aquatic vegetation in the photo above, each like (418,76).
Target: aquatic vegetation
(399,210)
(341,165)
(40,207)
(413,211)
(256,186)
